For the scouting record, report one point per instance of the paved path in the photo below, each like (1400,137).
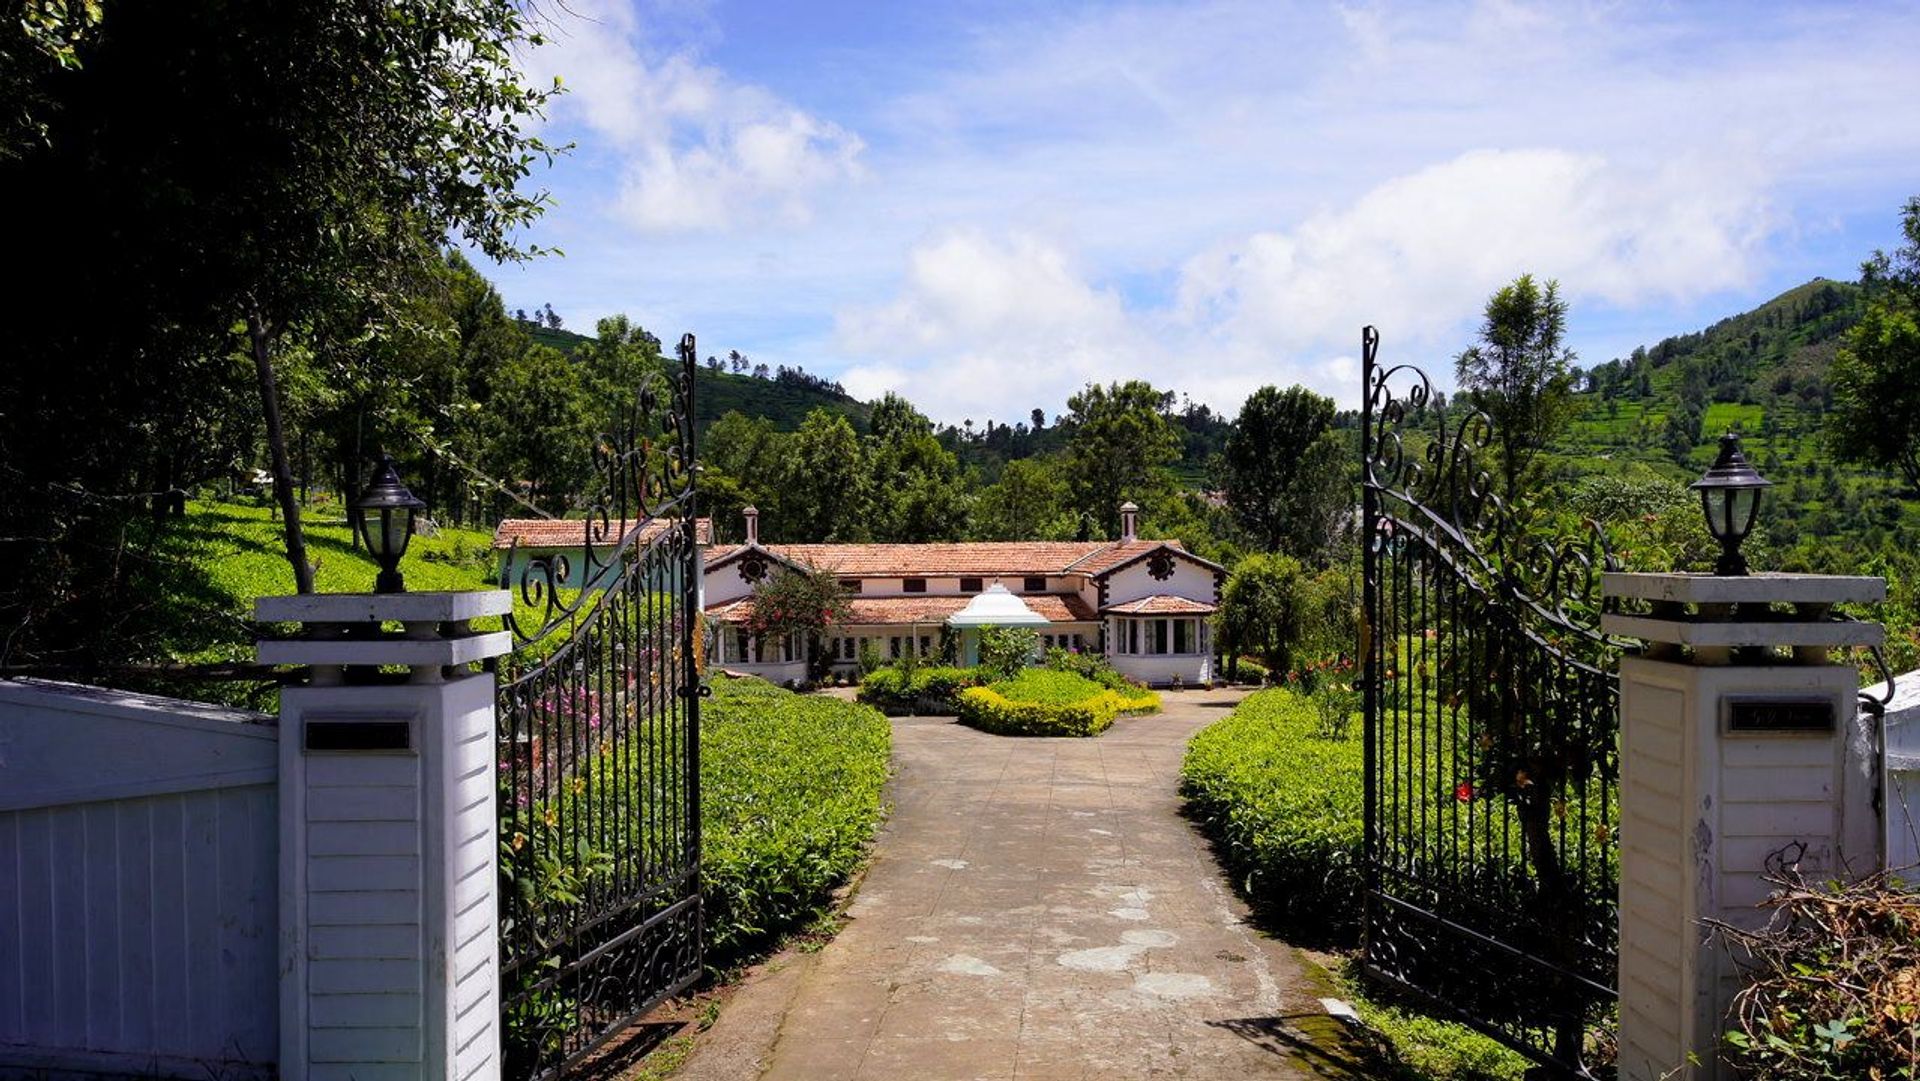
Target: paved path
(1036,909)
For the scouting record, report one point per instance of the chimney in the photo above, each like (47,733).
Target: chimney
(1129,521)
(753,524)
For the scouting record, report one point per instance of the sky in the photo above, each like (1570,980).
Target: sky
(987,206)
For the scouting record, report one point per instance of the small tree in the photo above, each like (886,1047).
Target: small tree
(1521,374)
(800,602)
(1876,374)
(1004,651)
(1264,609)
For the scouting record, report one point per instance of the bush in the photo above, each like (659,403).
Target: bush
(1041,702)
(1091,665)
(913,689)
(1004,651)
(790,790)
(1831,986)
(1247,670)
(1284,809)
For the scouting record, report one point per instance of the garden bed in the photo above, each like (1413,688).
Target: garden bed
(1046,702)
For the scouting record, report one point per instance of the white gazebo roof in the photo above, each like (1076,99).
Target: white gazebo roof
(995,607)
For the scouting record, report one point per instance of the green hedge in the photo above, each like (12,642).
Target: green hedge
(1043,702)
(790,789)
(1284,808)
(925,690)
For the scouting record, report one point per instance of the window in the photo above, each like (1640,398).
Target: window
(969,585)
(1035,584)
(913,585)
(740,647)
(924,639)
(893,647)
(851,585)
(1160,636)
(1182,636)
(1133,635)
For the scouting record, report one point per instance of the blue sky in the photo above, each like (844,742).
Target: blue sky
(986,206)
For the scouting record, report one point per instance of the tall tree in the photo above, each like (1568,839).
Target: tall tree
(822,493)
(213,176)
(1028,502)
(1284,472)
(1120,446)
(916,490)
(1520,373)
(1876,374)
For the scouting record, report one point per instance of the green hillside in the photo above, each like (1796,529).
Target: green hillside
(716,393)
(1762,373)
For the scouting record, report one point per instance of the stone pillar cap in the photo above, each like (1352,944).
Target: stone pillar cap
(1745,589)
(445,607)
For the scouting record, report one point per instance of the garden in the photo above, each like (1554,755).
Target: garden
(1068,694)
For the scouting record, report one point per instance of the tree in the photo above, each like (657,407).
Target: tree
(1039,418)
(538,427)
(1285,472)
(800,602)
(917,491)
(1029,502)
(1264,609)
(212,179)
(1119,448)
(620,359)
(1876,374)
(822,494)
(1521,374)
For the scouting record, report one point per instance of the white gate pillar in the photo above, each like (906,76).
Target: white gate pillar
(389,945)
(1739,737)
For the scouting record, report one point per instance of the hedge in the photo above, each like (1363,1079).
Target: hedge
(927,690)
(1042,702)
(790,790)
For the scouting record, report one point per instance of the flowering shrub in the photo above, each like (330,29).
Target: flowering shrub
(805,603)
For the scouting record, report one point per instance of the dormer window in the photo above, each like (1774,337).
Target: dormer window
(970,585)
(913,585)
(851,585)
(1035,585)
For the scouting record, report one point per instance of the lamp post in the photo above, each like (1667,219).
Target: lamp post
(384,516)
(1730,496)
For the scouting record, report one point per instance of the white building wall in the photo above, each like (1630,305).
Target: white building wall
(1190,580)
(138,867)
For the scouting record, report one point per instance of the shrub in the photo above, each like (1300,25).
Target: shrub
(1041,702)
(1334,705)
(1006,650)
(870,661)
(1091,665)
(791,790)
(1247,670)
(907,690)
(1284,810)
(1831,986)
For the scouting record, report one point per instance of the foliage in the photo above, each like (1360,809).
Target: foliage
(929,690)
(791,792)
(1120,446)
(803,602)
(1334,703)
(1004,651)
(1876,375)
(1520,373)
(1041,702)
(1028,502)
(1831,985)
(1092,666)
(1283,808)
(205,220)
(1422,1047)
(1247,670)
(1285,472)
(1264,610)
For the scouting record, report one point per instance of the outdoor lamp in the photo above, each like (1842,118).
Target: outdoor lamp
(384,515)
(1730,495)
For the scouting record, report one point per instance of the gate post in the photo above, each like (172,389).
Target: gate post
(389,945)
(1740,737)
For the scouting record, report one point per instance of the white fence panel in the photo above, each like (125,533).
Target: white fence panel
(138,879)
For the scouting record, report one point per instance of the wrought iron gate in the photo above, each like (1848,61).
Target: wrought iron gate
(599,751)
(1491,758)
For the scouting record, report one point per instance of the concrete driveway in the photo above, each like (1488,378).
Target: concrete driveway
(1036,909)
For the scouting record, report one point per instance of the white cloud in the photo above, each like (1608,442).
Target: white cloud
(698,150)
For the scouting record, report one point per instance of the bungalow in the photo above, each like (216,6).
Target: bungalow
(1144,604)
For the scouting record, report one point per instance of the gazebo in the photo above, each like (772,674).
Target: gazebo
(994,606)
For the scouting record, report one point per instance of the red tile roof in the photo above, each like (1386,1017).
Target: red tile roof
(572,532)
(983,559)
(890,611)
(1163,604)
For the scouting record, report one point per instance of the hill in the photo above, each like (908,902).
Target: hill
(1762,373)
(715,393)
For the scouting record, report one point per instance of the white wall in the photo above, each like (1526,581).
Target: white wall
(1902,779)
(1189,580)
(138,893)
(1161,669)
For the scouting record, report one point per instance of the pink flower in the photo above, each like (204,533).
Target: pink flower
(1463,792)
